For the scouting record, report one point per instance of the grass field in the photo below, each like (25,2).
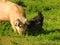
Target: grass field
(49,34)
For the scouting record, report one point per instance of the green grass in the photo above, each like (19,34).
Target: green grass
(49,34)
(52,38)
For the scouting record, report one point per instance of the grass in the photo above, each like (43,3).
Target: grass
(48,34)
(52,38)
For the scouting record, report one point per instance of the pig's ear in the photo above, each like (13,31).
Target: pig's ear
(26,22)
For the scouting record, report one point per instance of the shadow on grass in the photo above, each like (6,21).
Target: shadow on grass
(21,3)
(36,30)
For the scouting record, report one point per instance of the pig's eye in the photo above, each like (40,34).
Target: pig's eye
(20,26)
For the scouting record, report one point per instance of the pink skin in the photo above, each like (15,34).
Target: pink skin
(11,12)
